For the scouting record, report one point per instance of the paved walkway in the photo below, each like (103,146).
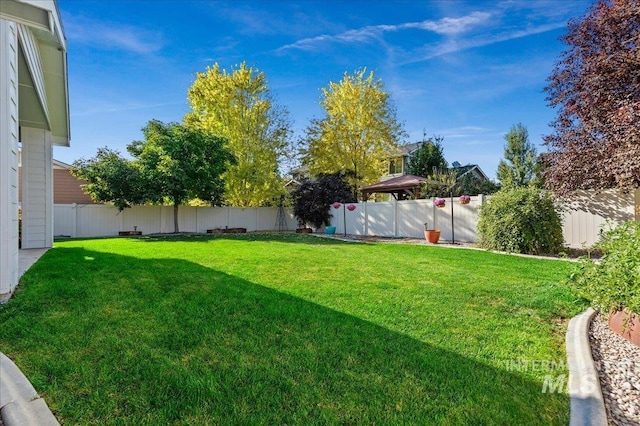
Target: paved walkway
(27,257)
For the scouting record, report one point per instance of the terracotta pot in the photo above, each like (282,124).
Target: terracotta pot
(626,324)
(432,236)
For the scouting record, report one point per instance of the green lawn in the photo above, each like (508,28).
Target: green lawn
(263,329)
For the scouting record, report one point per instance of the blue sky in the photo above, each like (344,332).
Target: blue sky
(465,70)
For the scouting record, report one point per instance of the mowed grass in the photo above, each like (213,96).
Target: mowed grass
(274,330)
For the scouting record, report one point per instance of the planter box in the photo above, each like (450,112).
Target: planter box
(304,231)
(626,325)
(128,233)
(227,231)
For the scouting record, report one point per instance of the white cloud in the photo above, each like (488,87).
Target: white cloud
(453,45)
(107,35)
(445,26)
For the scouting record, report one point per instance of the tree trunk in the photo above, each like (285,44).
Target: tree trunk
(175,218)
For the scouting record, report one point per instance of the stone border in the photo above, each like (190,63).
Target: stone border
(587,403)
(20,404)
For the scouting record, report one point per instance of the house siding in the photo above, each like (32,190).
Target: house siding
(67,190)
(8,157)
(37,188)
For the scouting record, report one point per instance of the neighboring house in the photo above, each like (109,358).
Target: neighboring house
(399,162)
(472,169)
(67,189)
(34,112)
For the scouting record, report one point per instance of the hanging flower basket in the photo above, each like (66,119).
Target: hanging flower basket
(336,205)
(465,199)
(439,202)
(351,207)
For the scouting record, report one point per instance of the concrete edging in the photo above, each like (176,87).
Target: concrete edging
(587,403)
(20,404)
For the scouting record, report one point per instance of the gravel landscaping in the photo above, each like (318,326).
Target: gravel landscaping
(618,363)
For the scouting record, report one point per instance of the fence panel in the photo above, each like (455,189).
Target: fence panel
(95,220)
(64,220)
(588,212)
(584,215)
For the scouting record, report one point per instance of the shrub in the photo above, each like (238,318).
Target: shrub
(313,198)
(614,283)
(520,220)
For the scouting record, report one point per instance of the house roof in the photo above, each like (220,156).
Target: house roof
(42,67)
(469,168)
(406,184)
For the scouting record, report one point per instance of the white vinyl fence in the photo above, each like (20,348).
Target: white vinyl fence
(583,218)
(97,220)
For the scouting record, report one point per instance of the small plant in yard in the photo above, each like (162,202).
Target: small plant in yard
(439,202)
(614,283)
(520,220)
(465,199)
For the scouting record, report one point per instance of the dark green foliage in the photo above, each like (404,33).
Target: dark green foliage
(471,185)
(520,220)
(614,283)
(518,167)
(427,158)
(313,198)
(111,178)
(181,163)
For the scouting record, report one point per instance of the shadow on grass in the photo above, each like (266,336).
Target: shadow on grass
(283,237)
(114,339)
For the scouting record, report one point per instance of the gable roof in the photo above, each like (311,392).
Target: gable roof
(406,184)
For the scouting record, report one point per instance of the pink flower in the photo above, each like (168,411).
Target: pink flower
(351,207)
(336,205)
(439,202)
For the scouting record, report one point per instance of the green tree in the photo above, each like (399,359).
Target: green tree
(111,179)
(238,106)
(180,163)
(471,185)
(427,157)
(518,167)
(358,132)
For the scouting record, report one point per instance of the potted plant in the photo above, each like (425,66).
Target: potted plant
(465,199)
(439,202)
(431,235)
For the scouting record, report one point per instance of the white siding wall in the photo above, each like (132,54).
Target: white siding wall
(37,188)
(8,157)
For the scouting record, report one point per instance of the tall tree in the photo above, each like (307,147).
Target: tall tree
(111,178)
(596,87)
(179,163)
(518,167)
(358,132)
(238,106)
(427,157)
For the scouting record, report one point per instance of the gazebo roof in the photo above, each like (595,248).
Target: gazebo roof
(406,184)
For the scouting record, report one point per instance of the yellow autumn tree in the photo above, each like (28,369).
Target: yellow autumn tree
(359,131)
(238,106)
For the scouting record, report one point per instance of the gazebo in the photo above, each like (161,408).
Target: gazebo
(401,187)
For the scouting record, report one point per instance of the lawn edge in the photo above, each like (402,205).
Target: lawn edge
(587,403)
(20,404)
